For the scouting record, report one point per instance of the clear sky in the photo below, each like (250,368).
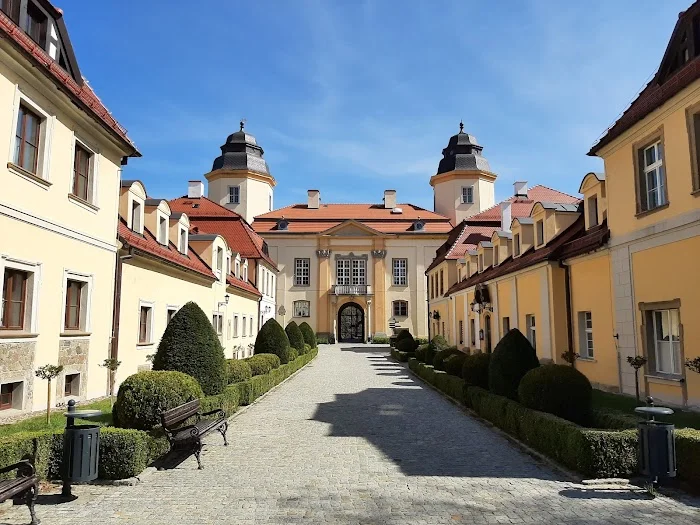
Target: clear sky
(353,97)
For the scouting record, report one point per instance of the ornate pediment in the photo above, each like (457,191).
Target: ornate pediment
(351,228)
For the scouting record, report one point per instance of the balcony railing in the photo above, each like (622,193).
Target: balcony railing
(352,289)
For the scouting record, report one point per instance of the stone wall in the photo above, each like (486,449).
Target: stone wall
(17,364)
(73,356)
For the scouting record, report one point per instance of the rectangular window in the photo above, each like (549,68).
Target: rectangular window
(11,9)
(442,283)
(481,262)
(506,325)
(245,319)
(302,308)
(540,233)
(443,329)
(234,194)
(10,396)
(461,332)
(400,308)
(592,211)
(400,272)
(220,259)
(301,272)
(585,334)
(472,331)
(342,272)
(81,172)
(145,320)
(72,385)
(516,244)
(136,217)
(170,314)
(27,139)
(74,292)
(358,271)
(162,230)
(531,330)
(217,322)
(35,24)
(651,177)
(235,326)
(251,326)
(663,338)
(467,194)
(696,147)
(14,299)
(183,241)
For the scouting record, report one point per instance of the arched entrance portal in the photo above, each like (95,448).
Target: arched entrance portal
(351,324)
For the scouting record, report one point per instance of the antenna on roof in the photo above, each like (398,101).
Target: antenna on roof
(242,123)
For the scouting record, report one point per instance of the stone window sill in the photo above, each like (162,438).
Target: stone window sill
(664,379)
(75,333)
(31,177)
(641,214)
(144,344)
(587,359)
(83,203)
(695,193)
(16,334)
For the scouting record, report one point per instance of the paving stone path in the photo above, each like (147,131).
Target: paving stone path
(355,439)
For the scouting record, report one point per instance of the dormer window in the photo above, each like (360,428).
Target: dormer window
(592,203)
(245,273)
(162,230)
(419,226)
(540,233)
(182,243)
(282,224)
(35,24)
(467,194)
(136,217)
(238,269)
(11,9)
(220,259)
(481,262)
(516,244)
(234,194)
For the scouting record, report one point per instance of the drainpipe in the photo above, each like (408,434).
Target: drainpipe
(569,327)
(427,301)
(116,309)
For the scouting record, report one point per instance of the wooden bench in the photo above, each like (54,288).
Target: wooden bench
(26,485)
(181,435)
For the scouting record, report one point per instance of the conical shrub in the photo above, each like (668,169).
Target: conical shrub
(296,338)
(190,345)
(309,335)
(272,339)
(512,358)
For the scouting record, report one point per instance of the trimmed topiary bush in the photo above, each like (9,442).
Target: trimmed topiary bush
(296,339)
(143,396)
(262,363)
(512,358)
(422,340)
(406,343)
(308,333)
(190,345)
(429,355)
(237,370)
(557,389)
(454,364)
(441,355)
(439,343)
(420,352)
(305,350)
(272,339)
(380,340)
(403,334)
(475,370)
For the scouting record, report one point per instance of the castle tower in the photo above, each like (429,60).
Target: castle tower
(240,178)
(464,184)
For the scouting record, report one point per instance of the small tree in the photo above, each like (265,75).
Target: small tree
(272,339)
(111,364)
(308,333)
(693,365)
(296,338)
(512,358)
(49,373)
(637,362)
(570,356)
(190,345)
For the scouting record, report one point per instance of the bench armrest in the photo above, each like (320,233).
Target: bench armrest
(25,468)
(218,411)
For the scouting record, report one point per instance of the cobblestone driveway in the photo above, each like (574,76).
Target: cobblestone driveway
(354,439)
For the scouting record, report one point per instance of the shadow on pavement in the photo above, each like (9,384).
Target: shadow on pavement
(620,494)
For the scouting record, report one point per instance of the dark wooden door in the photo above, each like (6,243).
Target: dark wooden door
(351,321)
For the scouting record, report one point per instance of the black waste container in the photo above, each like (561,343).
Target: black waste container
(81,453)
(657,449)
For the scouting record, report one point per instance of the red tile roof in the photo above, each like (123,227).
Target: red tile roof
(480,227)
(303,219)
(82,94)
(148,244)
(243,285)
(210,217)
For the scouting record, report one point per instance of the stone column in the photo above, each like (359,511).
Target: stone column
(381,314)
(323,320)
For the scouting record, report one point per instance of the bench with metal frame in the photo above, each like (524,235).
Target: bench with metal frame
(182,436)
(25,485)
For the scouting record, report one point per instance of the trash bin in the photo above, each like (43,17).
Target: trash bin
(657,446)
(81,448)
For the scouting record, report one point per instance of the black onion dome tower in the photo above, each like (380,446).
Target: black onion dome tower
(240,178)
(464,183)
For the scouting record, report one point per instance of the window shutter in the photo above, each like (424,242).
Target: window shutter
(641,182)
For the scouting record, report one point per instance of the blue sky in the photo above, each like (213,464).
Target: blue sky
(353,97)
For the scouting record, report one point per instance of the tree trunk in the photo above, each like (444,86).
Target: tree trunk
(48,403)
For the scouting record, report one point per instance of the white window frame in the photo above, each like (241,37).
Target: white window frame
(130,222)
(238,269)
(531,324)
(234,197)
(675,352)
(149,324)
(18,398)
(516,245)
(182,247)
(160,216)
(585,331)
(400,271)
(250,332)
(217,321)
(86,295)
(302,271)
(592,207)
(467,195)
(539,236)
(45,138)
(170,308)
(655,169)
(67,373)
(298,308)
(395,303)
(93,180)
(33,286)
(244,325)
(235,325)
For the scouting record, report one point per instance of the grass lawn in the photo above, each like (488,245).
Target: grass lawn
(57,421)
(626,405)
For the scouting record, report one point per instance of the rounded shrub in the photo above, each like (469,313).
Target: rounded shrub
(272,339)
(439,343)
(305,350)
(407,343)
(454,364)
(308,333)
(429,354)
(296,338)
(441,355)
(512,358)
(237,370)
(403,334)
(475,370)
(143,396)
(420,352)
(261,364)
(190,345)
(557,389)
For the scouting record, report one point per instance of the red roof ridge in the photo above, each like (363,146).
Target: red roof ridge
(223,208)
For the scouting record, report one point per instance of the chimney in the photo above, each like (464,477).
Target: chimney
(195,189)
(505,216)
(390,199)
(520,188)
(314,201)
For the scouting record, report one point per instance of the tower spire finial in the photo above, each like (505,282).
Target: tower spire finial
(461,126)
(242,123)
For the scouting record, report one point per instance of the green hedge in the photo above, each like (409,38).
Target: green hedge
(380,340)
(262,363)
(237,370)
(451,385)
(441,355)
(455,363)
(401,356)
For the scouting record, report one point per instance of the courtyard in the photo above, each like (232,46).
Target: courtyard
(354,438)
